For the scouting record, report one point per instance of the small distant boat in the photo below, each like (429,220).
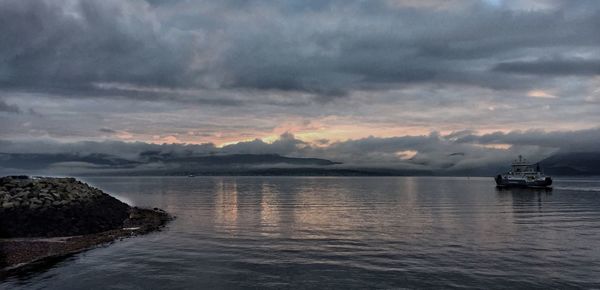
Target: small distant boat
(523,174)
(191,175)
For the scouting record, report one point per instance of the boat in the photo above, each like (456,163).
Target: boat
(524,174)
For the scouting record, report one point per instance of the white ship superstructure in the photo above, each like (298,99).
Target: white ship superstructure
(524,174)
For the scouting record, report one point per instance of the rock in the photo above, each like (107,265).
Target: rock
(33,207)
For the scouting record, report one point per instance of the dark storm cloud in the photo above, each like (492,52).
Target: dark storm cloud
(71,44)
(325,48)
(374,44)
(223,71)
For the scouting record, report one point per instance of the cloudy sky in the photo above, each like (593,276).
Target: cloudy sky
(369,81)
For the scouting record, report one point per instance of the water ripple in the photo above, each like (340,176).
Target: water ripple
(276,232)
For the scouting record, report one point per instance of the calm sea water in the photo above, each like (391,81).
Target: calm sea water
(302,232)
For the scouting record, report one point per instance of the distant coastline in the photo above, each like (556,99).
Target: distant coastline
(155,164)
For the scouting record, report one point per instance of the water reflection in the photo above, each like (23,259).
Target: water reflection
(226,205)
(280,232)
(526,197)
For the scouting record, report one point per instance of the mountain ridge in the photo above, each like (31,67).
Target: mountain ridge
(184,163)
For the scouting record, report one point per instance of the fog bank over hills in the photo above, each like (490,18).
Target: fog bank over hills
(458,153)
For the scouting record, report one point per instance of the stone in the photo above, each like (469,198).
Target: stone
(56,206)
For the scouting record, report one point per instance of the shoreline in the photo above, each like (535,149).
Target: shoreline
(43,218)
(21,253)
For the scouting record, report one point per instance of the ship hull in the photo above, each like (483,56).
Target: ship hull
(505,182)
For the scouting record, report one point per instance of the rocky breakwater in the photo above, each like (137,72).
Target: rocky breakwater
(51,207)
(34,211)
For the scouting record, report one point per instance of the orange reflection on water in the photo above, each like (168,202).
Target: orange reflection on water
(226,204)
(270,218)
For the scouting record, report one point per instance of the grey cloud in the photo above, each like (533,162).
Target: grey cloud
(129,150)
(552,67)
(107,130)
(8,108)
(287,144)
(325,48)
(437,47)
(570,141)
(239,69)
(69,45)
(433,151)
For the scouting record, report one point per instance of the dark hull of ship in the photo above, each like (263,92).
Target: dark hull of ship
(503,182)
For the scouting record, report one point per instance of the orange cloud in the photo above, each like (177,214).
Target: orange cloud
(540,94)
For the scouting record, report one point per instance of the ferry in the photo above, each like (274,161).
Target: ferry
(524,174)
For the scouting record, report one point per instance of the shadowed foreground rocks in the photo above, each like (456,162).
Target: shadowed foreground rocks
(43,217)
(52,207)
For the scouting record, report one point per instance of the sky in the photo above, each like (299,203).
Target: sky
(395,83)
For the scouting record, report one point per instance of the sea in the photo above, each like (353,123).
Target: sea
(342,233)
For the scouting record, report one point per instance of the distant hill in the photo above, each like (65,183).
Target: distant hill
(170,161)
(183,163)
(158,163)
(235,159)
(36,161)
(272,171)
(582,163)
